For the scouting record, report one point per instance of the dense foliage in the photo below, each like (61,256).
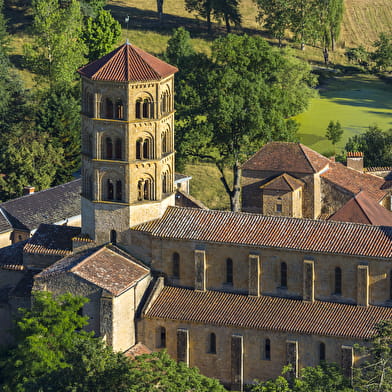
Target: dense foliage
(375,144)
(52,353)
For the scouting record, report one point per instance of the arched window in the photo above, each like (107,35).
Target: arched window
(322,352)
(176,265)
(90,145)
(109,108)
(267,349)
(109,148)
(119,109)
(118,190)
(113,236)
(229,271)
(161,337)
(147,190)
(118,149)
(148,109)
(140,187)
(139,143)
(146,149)
(164,143)
(283,275)
(138,108)
(338,281)
(212,343)
(110,190)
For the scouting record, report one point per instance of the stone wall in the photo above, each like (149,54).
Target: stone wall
(255,366)
(333,197)
(270,267)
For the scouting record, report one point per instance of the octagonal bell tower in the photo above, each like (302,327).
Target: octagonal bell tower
(127,142)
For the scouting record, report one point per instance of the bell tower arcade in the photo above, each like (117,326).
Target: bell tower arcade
(127,142)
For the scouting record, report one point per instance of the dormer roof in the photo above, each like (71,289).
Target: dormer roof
(284,182)
(127,63)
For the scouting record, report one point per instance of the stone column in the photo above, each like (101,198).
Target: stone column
(200,270)
(237,363)
(292,357)
(308,281)
(254,275)
(183,346)
(347,361)
(363,285)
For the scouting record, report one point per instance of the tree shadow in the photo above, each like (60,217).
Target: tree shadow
(18,17)
(17,61)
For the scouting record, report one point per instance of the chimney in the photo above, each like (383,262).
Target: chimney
(355,161)
(28,190)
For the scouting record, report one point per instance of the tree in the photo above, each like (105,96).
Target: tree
(326,377)
(383,53)
(334,132)
(160,10)
(247,95)
(375,144)
(100,34)
(57,113)
(27,158)
(276,16)
(375,374)
(57,50)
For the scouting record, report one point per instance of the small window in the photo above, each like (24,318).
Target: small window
(161,337)
(139,144)
(138,108)
(164,143)
(322,352)
(109,108)
(146,149)
(176,265)
(229,271)
(283,275)
(267,350)
(113,236)
(338,281)
(279,207)
(164,183)
(119,109)
(212,343)
(147,190)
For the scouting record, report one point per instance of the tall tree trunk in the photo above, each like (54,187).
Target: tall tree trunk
(160,11)
(234,194)
(209,21)
(228,27)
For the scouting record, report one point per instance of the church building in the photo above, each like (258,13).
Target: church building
(239,295)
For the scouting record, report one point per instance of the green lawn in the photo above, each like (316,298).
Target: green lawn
(356,101)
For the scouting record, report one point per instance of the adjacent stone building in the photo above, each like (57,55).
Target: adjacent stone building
(238,295)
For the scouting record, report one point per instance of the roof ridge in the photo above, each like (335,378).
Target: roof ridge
(109,61)
(306,157)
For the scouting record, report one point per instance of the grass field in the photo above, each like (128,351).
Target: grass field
(356,101)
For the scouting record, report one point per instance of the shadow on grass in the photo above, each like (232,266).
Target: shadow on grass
(310,138)
(17,61)
(144,20)
(18,18)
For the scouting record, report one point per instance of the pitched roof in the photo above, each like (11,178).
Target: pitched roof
(136,350)
(5,224)
(268,313)
(283,182)
(127,63)
(48,206)
(363,209)
(52,240)
(184,199)
(354,181)
(271,231)
(11,257)
(107,267)
(286,157)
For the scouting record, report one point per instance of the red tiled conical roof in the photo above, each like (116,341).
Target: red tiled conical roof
(127,63)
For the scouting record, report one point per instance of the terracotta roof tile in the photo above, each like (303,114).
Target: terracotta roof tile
(355,181)
(286,158)
(363,209)
(184,199)
(127,63)
(271,231)
(284,182)
(136,350)
(268,313)
(106,267)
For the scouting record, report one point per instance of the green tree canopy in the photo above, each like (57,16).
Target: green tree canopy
(239,99)
(382,56)
(100,34)
(375,144)
(334,132)
(57,49)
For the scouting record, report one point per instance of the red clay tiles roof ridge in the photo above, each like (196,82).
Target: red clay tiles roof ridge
(283,182)
(251,229)
(267,313)
(127,63)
